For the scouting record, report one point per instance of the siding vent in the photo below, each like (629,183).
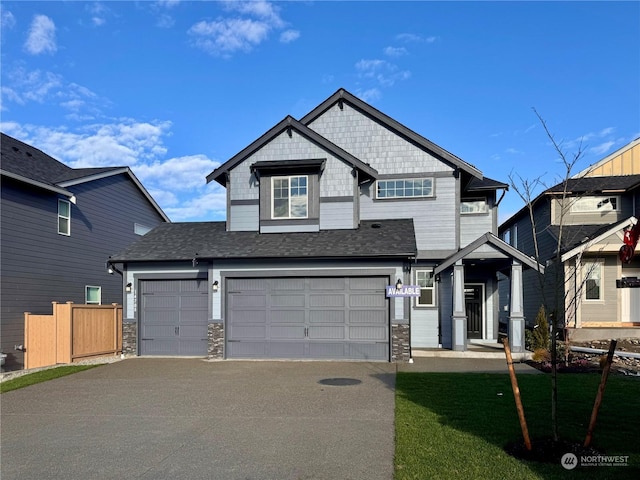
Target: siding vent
(376,225)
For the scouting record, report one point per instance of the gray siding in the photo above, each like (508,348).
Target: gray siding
(591,218)
(39,266)
(243,218)
(445,297)
(607,309)
(434,218)
(336,215)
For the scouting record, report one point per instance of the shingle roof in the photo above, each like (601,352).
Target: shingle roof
(619,183)
(479,185)
(574,235)
(188,240)
(28,162)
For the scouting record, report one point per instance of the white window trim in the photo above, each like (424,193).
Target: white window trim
(586,268)
(140,229)
(288,177)
(68,217)
(432,288)
(86,295)
(404,180)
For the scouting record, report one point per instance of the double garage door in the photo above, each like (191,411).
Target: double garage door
(307,318)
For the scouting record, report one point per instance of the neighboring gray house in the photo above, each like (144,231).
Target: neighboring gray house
(586,217)
(59,226)
(324,213)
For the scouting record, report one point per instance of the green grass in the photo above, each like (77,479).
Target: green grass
(451,426)
(41,376)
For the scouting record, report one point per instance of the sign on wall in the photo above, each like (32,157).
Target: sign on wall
(404,291)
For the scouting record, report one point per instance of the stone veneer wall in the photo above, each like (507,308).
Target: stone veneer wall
(215,341)
(400,343)
(129,338)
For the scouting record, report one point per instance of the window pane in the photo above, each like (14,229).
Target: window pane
(93,295)
(426,296)
(299,207)
(63,208)
(593,281)
(63,225)
(281,208)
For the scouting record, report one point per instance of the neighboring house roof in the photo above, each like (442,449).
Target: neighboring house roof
(574,235)
(599,168)
(609,184)
(490,239)
(27,164)
(344,96)
(585,185)
(570,250)
(210,240)
(287,124)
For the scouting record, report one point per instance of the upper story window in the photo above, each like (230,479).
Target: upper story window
(93,295)
(409,188)
(427,297)
(289,197)
(140,229)
(64,217)
(595,204)
(478,205)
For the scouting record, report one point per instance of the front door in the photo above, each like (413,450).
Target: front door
(474,306)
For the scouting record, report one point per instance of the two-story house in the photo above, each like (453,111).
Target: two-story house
(580,224)
(59,226)
(348,236)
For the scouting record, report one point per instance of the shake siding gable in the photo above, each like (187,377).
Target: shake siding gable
(373,143)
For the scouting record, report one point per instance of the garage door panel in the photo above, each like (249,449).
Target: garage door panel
(280,332)
(361,300)
(249,316)
(368,317)
(368,283)
(286,349)
(367,333)
(321,283)
(327,316)
(159,347)
(326,332)
(153,301)
(287,284)
(248,301)
(288,300)
(196,302)
(193,331)
(367,351)
(287,316)
(326,300)
(247,349)
(328,350)
(238,332)
(161,317)
(247,284)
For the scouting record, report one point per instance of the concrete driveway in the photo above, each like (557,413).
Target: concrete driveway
(162,418)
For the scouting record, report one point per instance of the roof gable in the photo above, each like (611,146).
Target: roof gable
(343,96)
(288,124)
(489,239)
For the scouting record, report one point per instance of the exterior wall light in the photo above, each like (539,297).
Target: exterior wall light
(399,284)
(128,287)
(215,286)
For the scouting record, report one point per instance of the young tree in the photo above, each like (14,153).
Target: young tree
(556,303)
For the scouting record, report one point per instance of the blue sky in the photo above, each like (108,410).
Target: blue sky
(174,88)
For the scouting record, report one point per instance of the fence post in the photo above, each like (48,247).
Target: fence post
(26,339)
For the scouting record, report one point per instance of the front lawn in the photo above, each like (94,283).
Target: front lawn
(456,425)
(41,376)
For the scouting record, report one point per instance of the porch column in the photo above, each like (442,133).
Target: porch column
(459,318)
(516,316)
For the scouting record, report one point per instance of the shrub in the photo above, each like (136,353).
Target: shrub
(540,336)
(541,355)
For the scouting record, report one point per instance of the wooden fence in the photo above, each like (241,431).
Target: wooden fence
(74,332)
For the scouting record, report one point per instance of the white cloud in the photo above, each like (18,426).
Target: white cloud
(289,36)
(395,51)
(254,21)
(384,73)
(223,37)
(180,173)
(167,3)
(165,21)
(602,148)
(370,95)
(413,38)
(7,20)
(178,184)
(42,36)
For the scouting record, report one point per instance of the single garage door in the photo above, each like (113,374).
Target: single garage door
(173,317)
(315,317)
